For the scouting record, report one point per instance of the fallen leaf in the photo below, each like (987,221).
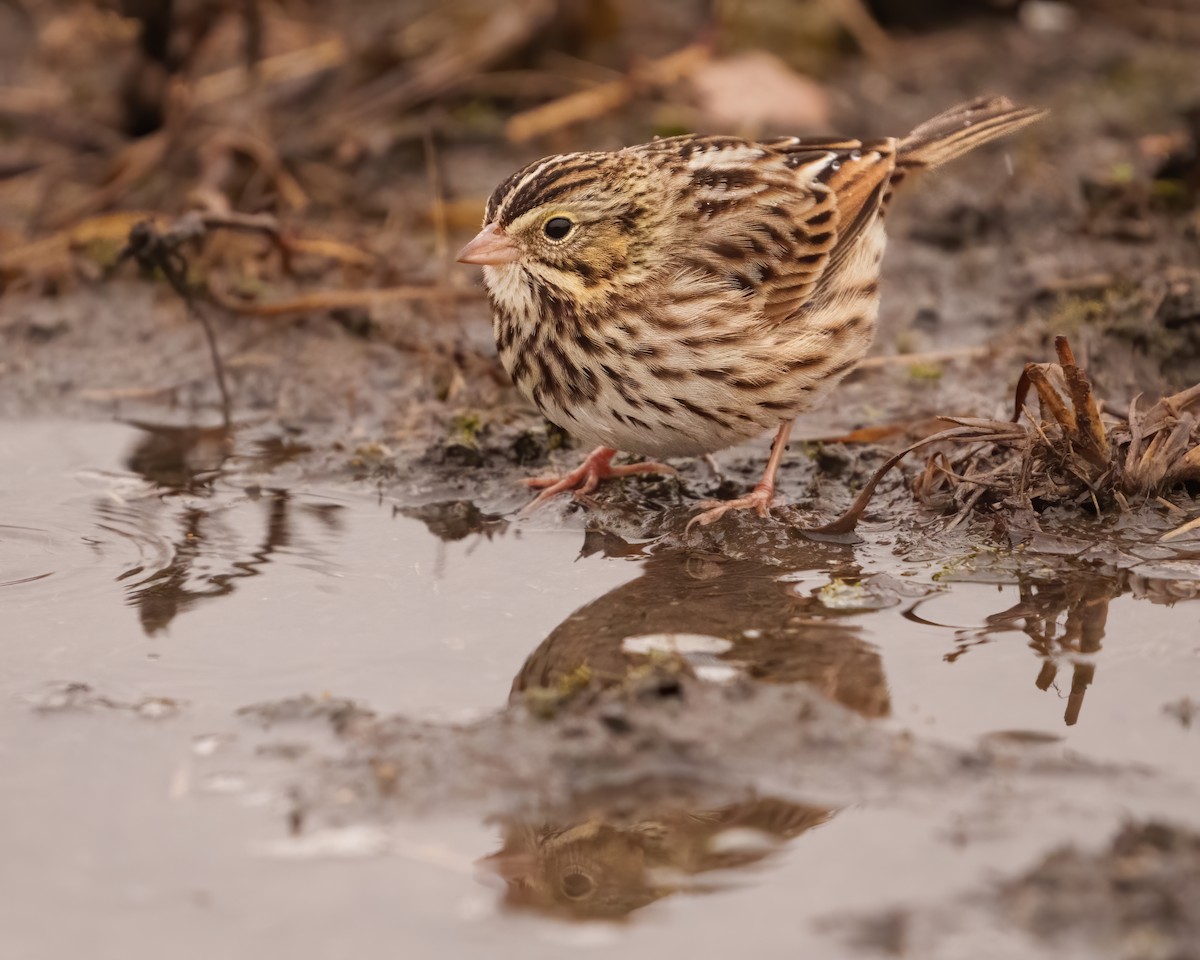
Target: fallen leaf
(756,91)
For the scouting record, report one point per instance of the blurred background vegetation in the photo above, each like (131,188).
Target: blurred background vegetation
(332,155)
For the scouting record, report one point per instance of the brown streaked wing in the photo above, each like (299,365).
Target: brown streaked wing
(759,233)
(858,176)
(814,233)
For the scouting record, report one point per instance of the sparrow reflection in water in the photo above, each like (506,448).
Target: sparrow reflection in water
(773,633)
(610,863)
(608,858)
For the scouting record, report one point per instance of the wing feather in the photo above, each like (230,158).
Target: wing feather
(857,172)
(769,223)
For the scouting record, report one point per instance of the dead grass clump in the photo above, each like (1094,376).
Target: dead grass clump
(1068,452)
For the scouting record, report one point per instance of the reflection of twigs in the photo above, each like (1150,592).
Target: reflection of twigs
(151,250)
(1039,614)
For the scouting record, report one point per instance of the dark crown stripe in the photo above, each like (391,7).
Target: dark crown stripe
(544,190)
(554,179)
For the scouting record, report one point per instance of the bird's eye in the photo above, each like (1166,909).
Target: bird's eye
(576,886)
(557,227)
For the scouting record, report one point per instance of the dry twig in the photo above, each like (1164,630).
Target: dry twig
(325,300)
(604,98)
(1067,455)
(153,249)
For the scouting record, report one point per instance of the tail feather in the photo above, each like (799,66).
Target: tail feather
(962,128)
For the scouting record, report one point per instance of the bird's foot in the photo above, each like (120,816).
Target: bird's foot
(759,500)
(587,476)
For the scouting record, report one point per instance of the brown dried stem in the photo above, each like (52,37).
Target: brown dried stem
(326,300)
(604,98)
(1065,455)
(152,249)
(1089,431)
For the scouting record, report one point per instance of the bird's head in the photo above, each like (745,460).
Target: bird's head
(583,224)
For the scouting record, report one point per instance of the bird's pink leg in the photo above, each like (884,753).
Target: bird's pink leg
(586,477)
(760,498)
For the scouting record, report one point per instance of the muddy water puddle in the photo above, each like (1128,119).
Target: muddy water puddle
(157,581)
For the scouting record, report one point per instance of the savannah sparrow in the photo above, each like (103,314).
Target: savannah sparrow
(680,296)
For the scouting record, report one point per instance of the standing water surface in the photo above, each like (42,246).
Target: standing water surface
(154,582)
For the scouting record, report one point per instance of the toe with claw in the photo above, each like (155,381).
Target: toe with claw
(759,500)
(587,476)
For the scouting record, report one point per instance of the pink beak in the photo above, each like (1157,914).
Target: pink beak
(491,246)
